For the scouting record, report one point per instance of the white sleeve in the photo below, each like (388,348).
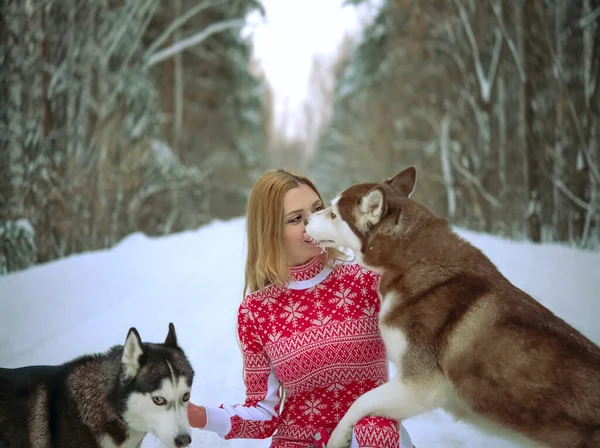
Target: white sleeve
(218,420)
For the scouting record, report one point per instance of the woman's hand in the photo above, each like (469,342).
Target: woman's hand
(196,415)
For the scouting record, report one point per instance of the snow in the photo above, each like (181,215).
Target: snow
(86,303)
(21,225)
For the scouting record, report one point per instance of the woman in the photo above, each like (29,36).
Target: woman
(307,329)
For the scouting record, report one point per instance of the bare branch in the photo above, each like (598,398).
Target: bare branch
(442,47)
(194,40)
(137,201)
(476,182)
(177,23)
(127,22)
(472,42)
(575,115)
(572,196)
(491,80)
(590,18)
(511,44)
(486,82)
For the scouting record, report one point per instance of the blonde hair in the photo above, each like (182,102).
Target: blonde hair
(265,260)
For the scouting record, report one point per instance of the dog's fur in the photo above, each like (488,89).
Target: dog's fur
(461,336)
(105,400)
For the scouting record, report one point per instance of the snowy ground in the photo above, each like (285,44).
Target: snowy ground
(86,303)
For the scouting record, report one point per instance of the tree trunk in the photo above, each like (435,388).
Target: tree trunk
(532,141)
(446,165)
(168,82)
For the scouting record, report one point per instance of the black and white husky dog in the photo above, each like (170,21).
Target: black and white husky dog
(106,400)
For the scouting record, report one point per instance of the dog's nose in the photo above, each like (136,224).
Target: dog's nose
(305,221)
(182,440)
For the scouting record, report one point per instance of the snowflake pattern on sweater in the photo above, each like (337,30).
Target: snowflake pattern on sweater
(319,338)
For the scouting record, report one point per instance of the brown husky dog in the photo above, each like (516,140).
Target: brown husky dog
(461,336)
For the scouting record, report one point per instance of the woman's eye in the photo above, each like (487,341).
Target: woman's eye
(319,208)
(296,219)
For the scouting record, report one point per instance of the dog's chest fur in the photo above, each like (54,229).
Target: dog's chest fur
(134,440)
(394,337)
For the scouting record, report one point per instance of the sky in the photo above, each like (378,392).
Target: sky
(87,302)
(285,49)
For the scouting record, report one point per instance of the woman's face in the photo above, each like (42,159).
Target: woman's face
(298,204)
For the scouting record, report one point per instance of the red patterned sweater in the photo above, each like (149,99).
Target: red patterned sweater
(319,338)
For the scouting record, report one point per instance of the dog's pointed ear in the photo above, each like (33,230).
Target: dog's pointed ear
(171,340)
(373,205)
(404,182)
(133,350)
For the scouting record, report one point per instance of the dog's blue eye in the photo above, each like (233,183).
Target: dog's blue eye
(159,401)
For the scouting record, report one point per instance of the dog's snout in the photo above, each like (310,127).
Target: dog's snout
(305,221)
(183,440)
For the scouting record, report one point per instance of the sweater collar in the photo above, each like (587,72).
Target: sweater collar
(308,270)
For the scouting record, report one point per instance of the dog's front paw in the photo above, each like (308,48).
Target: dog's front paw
(340,438)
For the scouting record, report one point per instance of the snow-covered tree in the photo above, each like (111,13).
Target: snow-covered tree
(496,103)
(92,144)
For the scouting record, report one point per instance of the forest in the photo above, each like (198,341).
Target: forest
(118,116)
(496,103)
